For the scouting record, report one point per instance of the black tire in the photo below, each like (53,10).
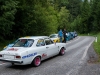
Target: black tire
(62,51)
(36,62)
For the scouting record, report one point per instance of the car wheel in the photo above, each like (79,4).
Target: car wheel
(62,51)
(37,61)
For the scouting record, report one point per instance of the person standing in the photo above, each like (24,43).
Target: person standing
(64,34)
(60,34)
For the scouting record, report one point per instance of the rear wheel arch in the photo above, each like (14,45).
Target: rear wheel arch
(36,61)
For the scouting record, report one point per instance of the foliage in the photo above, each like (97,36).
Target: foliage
(74,9)
(7,12)
(63,18)
(76,24)
(90,16)
(85,14)
(45,21)
(39,20)
(97,45)
(44,17)
(95,14)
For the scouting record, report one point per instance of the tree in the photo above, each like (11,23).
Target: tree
(35,18)
(63,18)
(45,20)
(7,12)
(74,9)
(85,14)
(95,14)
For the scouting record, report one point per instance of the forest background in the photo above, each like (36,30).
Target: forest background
(43,17)
(20,18)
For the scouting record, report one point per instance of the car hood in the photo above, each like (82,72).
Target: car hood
(13,50)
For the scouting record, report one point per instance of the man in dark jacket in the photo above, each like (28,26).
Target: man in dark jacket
(64,34)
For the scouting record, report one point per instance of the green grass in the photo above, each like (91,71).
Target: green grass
(96,45)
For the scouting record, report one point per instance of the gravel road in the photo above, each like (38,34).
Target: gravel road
(92,67)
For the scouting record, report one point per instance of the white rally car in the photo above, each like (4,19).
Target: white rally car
(32,50)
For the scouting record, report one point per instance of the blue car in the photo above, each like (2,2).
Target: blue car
(68,36)
(75,33)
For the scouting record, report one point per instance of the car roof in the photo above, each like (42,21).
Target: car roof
(33,37)
(54,34)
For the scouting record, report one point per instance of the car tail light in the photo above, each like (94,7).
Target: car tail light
(18,57)
(0,55)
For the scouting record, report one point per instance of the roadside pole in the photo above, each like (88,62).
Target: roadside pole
(96,39)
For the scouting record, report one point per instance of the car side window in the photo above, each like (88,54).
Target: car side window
(48,41)
(24,43)
(29,43)
(40,43)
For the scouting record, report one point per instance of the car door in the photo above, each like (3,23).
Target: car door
(41,48)
(51,47)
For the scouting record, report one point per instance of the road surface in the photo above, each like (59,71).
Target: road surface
(74,62)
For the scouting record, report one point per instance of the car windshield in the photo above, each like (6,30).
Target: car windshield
(23,43)
(53,36)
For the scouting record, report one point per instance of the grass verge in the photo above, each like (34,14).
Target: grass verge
(96,46)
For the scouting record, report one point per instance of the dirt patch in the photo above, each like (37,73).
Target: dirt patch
(93,56)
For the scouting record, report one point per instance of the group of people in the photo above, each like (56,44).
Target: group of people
(62,34)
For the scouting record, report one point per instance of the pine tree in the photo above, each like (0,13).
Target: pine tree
(85,14)
(7,12)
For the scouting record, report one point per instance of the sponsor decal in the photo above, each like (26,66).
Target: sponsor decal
(43,55)
(12,49)
(29,55)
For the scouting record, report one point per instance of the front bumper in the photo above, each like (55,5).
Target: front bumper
(12,61)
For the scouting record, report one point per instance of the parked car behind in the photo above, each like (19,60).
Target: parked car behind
(32,50)
(72,35)
(75,33)
(68,36)
(55,37)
